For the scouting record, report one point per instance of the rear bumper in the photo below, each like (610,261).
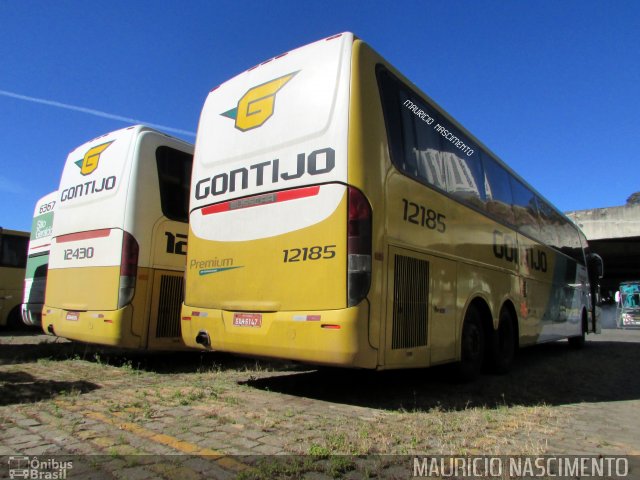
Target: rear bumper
(333,337)
(108,327)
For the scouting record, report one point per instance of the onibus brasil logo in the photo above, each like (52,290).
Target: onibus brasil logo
(257,105)
(90,161)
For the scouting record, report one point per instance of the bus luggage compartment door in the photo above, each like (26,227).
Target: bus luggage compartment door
(420,320)
(166,301)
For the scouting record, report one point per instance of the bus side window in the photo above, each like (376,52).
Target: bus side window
(174,174)
(525,209)
(13,251)
(465,177)
(498,191)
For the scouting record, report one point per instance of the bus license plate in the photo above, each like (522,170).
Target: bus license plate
(73,316)
(247,320)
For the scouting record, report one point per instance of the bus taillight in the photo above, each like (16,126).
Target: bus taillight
(358,247)
(128,269)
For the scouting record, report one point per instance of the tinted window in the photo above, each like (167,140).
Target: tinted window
(174,173)
(426,146)
(525,209)
(41,271)
(571,244)
(13,251)
(551,224)
(497,190)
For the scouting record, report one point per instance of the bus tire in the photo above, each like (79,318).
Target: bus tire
(14,320)
(503,348)
(578,342)
(472,346)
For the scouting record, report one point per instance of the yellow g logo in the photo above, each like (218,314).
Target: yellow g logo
(256,106)
(90,161)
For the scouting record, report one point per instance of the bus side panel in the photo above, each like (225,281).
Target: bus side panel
(11,282)
(164,298)
(169,245)
(556,288)
(13,258)
(469,256)
(368,165)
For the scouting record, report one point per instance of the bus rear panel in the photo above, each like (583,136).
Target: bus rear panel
(275,261)
(38,259)
(117,261)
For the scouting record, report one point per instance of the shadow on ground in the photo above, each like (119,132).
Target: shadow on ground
(551,374)
(32,347)
(21,387)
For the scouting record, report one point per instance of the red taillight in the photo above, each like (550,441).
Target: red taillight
(358,247)
(129,259)
(128,269)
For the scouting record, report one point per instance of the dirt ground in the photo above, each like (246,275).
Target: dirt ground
(119,414)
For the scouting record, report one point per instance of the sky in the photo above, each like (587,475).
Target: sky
(552,87)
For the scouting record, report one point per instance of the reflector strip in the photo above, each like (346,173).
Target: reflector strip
(73,237)
(258,200)
(330,327)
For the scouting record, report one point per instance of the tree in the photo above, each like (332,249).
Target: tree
(634,199)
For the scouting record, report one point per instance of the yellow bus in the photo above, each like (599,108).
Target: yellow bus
(338,216)
(13,261)
(35,279)
(118,250)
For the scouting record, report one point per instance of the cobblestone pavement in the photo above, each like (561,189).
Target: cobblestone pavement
(193,415)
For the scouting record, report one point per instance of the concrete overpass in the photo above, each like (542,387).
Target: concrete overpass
(614,234)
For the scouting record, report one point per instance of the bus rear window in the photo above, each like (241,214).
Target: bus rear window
(174,173)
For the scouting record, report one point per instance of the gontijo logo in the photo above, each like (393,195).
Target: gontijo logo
(90,161)
(256,106)
(88,165)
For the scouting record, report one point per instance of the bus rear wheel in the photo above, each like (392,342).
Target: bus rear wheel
(578,342)
(14,320)
(504,344)
(472,346)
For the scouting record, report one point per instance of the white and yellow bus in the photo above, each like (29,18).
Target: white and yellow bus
(35,279)
(13,261)
(338,216)
(119,245)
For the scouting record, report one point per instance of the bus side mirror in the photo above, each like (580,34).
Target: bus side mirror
(596,265)
(617,297)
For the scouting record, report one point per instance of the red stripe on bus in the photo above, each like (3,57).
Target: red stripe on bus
(220,207)
(72,237)
(284,196)
(297,193)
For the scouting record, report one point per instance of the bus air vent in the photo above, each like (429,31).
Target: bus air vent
(410,298)
(171,292)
